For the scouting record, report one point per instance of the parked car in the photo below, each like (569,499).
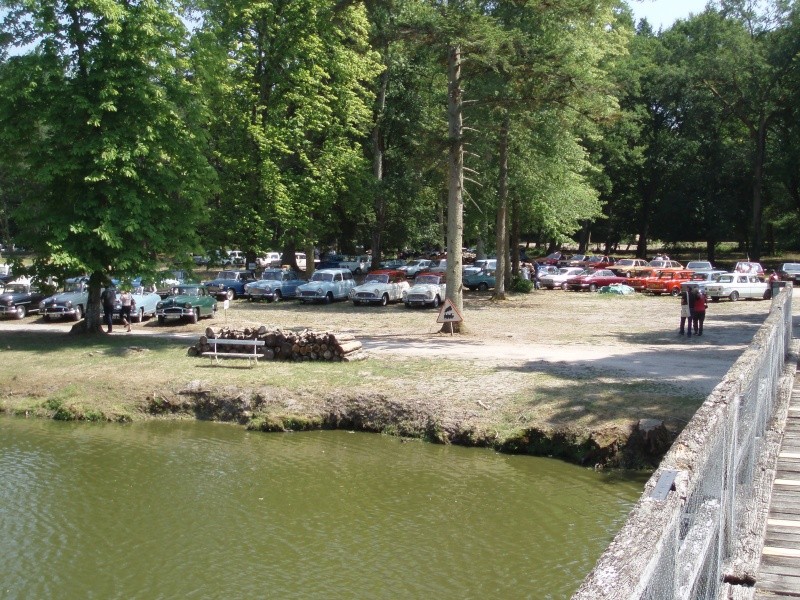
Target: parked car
(268,260)
(380,287)
(189,301)
(699,265)
(668,282)
(558,280)
(234,258)
(750,267)
(738,285)
(665,263)
(628,267)
(703,278)
(167,280)
(438,266)
(544,270)
(639,280)
(551,259)
(428,289)
(593,280)
(478,266)
(575,260)
(19,298)
(412,267)
(790,272)
(327,285)
(229,283)
(392,263)
(356,264)
(71,303)
(274,285)
(144,305)
(482,280)
(598,261)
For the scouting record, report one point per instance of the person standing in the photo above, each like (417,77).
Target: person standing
(687,297)
(126,302)
(699,310)
(108,297)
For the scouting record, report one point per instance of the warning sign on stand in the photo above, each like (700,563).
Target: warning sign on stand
(449,313)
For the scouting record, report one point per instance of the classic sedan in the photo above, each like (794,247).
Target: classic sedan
(144,305)
(630,266)
(667,282)
(380,287)
(738,285)
(327,285)
(482,280)
(229,283)
(188,301)
(594,280)
(19,298)
(559,280)
(428,289)
(412,267)
(638,281)
(598,261)
(274,285)
(70,303)
(790,272)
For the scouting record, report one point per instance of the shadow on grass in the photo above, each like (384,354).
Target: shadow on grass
(42,342)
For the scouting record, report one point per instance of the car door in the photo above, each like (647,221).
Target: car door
(754,287)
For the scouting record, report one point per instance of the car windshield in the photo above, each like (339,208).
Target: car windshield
(16,288)
(188,291)
(73,286)
(320,276)
(725,279)
(626,262)
(698,264)
(413,263)
(272,275)
(423,279)
(226,275)
(377,279)
(791,267)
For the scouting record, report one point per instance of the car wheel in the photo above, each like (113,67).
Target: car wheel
(384,299)
(564,286)
(78,313)
(767,294)
(356,303)
(483,286)
(436,302)
(139,316)
(161,319)
(230,294)
(714,299)
(46,318)
(734,296)
(277,296)
(408,304)
(675,292)
(21,311)
(592,287)
(472,288)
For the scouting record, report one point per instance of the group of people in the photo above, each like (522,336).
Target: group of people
(694,302)
(109,298)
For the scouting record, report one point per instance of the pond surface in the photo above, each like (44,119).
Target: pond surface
(203,510)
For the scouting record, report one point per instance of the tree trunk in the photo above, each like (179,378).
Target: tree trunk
(377,167)
(93,316)
(501,236)
(758,185)
(455,200)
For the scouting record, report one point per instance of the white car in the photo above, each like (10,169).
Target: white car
(738,285)
(559,280)
(380,287)
(327,285)
(482,264)
(412,267)
(269,259)
(428,289)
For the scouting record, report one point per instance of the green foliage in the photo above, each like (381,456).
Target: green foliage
(520,285)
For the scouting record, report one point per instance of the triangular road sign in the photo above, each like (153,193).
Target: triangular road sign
(449,313)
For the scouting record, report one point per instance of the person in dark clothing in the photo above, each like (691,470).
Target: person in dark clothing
(687,299)
(108,297)
(699,306)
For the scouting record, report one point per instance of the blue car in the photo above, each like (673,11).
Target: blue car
(274,285)
(482,280)
(229,284)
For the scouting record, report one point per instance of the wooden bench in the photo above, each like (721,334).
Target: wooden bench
(215,354)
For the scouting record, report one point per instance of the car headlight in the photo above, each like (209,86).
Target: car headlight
(68,304)
(160,305)
(320,292)
(41,305)
(187,305)
(429,294)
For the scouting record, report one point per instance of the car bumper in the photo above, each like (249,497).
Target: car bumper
(58,312)
(174,313)
(8,311)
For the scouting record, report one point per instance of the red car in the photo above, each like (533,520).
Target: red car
(667,282)
(598,262)
(639,280)
(594,280)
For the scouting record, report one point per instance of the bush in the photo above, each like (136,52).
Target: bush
(520,285)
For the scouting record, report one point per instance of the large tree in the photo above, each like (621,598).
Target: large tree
(104,118)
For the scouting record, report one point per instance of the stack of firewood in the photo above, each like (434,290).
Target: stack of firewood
(288,345)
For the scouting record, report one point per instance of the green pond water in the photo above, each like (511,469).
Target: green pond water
(203,510)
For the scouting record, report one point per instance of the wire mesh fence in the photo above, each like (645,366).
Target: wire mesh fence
(694,532)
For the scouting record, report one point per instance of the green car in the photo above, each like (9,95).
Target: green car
(190,301)
(482,280)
